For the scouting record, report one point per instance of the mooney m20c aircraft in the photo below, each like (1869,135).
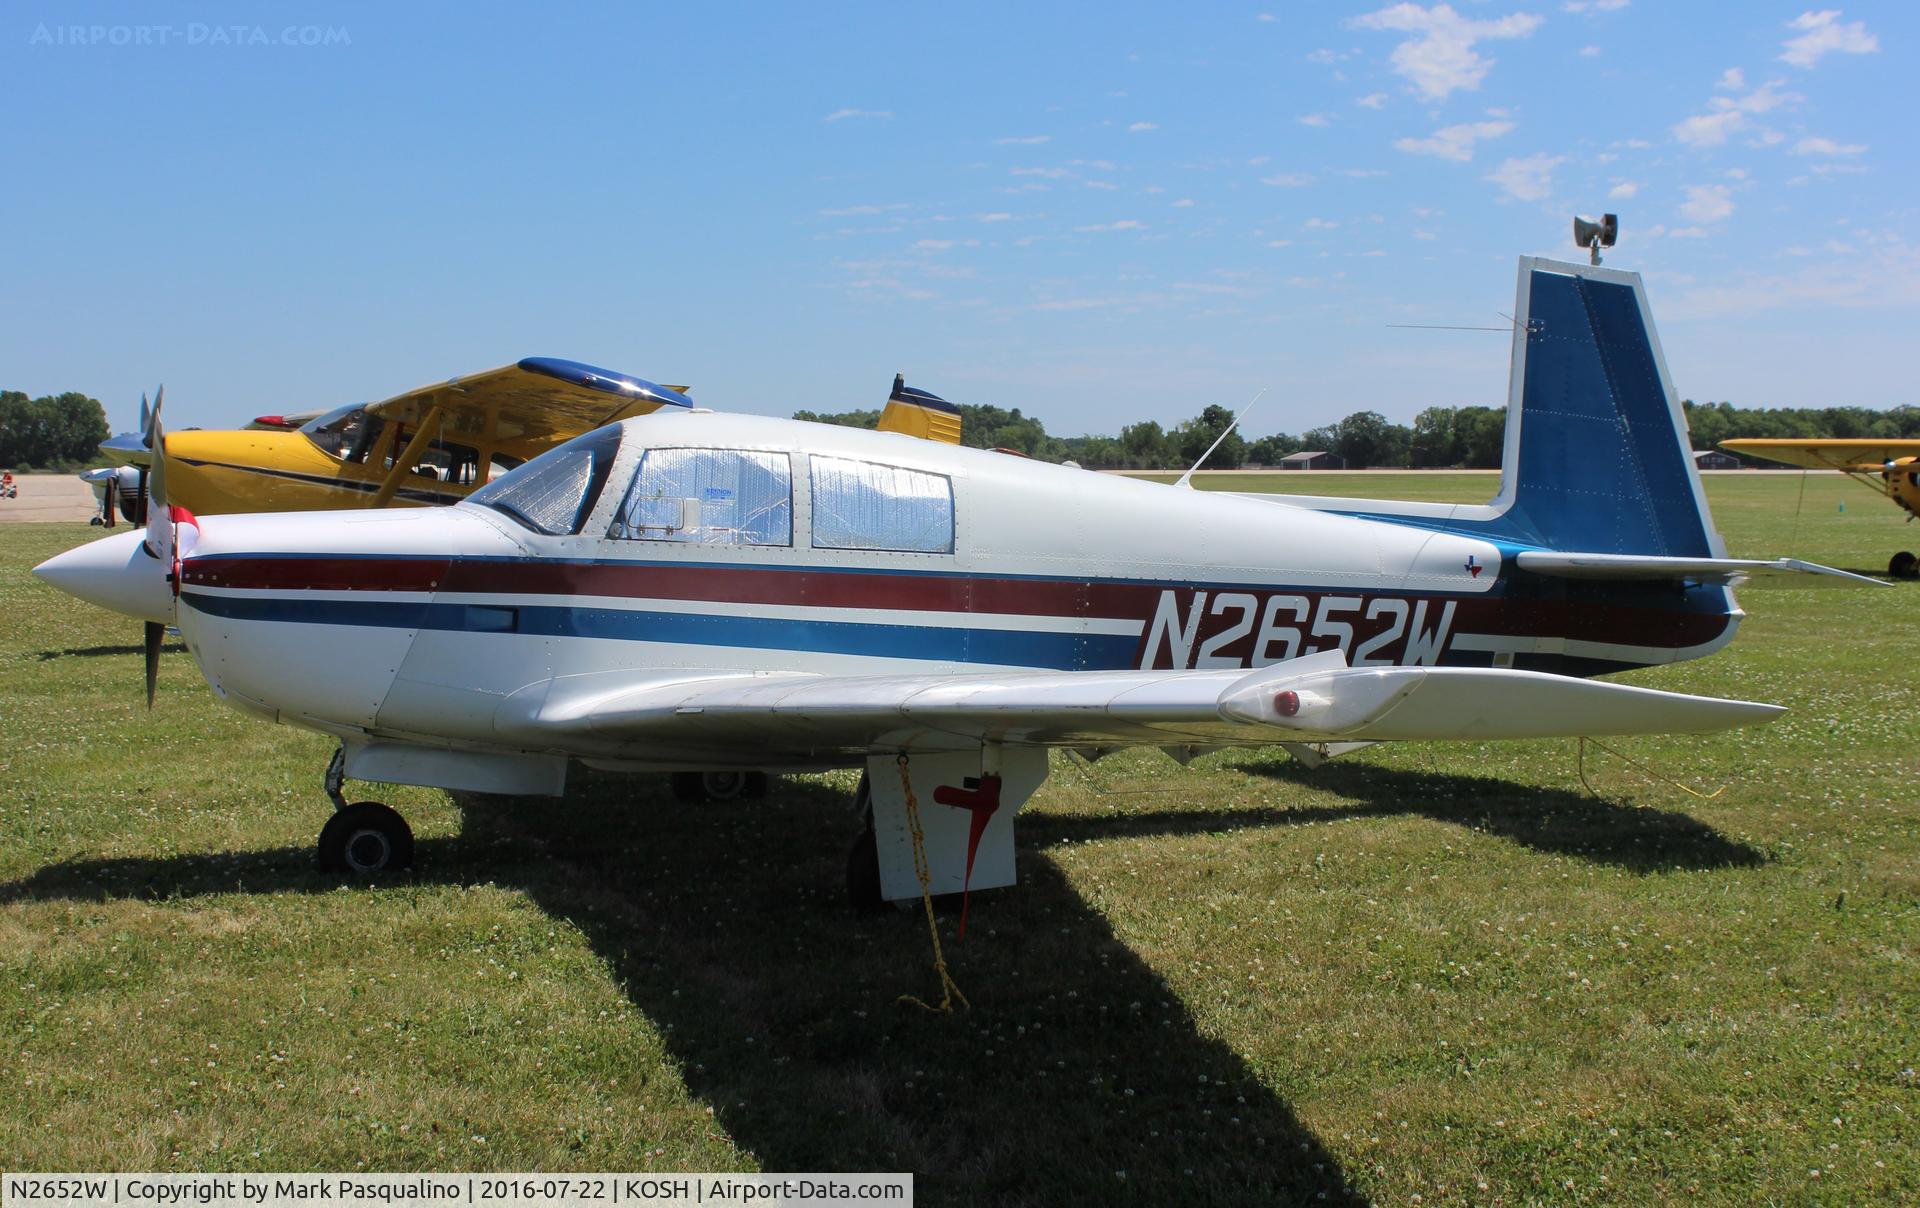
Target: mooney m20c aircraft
(1887,467)
(731,595)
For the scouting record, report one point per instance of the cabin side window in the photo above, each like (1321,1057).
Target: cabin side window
(709,497)
(865,505)
(555,492)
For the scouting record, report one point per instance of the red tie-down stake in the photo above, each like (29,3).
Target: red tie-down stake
(981,801)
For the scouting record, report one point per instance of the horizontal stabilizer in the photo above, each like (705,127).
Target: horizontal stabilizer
(1726,572)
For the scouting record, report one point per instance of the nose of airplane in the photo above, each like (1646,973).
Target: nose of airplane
(114,572)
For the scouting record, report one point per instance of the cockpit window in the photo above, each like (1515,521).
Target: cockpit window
(347,433)
(862,505)
(709,497)
(555,492)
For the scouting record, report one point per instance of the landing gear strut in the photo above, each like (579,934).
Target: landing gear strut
(697,788)
(364,837)
(863,860)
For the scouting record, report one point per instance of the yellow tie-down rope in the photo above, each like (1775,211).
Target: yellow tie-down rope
(1637,766)
(949,990)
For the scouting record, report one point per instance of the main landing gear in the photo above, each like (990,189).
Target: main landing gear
(863,860)
(364,837)
(698,788)
(1904,565)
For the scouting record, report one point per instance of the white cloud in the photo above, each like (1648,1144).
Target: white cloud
(1288,180)
(1529,178)
(1279,243)
(1594,6)
(1267,17)
(1314,119)
(1707,203)
(1125,224)
(1362,173)
(841,115)
(1440,58)
(1049,173)
(1588,52)
(1320,224)
(1030,140)
(1099,184)
(1826,146)
(1822,34)
(1138,127)
(1183,203)
(1623,190)
(996,216)
(862,211)
(1726,115)
(1453,142)
(1373,100)
(934,245)
(1732,80)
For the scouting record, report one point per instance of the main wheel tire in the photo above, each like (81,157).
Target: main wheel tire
(1904,565)
(863,874)
(364,839)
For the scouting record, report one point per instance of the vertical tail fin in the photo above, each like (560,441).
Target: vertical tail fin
(1598,459)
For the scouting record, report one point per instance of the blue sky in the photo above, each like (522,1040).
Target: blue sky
(1098,213)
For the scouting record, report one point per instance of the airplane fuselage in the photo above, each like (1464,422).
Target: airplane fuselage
(424,625)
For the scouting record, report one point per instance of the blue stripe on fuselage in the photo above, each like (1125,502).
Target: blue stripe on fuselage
(1058,651)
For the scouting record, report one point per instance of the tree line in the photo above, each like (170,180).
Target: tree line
(52,432)
(1471,438)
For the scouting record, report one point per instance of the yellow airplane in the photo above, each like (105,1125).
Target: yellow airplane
(1888,467)
(433,445)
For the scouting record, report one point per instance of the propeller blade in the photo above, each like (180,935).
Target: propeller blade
(159,516)
(156,633)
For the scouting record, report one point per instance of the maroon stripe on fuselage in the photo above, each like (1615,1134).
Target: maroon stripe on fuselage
(1627,624)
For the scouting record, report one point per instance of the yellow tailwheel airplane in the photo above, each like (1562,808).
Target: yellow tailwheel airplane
(1888,467)
(434,445)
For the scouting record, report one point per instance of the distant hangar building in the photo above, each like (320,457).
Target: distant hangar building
(1312,459)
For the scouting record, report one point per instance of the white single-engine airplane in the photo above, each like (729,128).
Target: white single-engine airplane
(729,595)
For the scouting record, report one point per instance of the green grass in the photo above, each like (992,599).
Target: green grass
(1442,971)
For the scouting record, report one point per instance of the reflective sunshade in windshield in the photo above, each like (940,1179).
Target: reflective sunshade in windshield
(555,491)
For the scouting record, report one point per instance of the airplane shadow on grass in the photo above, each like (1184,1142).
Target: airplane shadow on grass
(1641,838)
(726,926)
(1078,1076)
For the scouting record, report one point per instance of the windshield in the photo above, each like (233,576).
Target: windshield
(346,433)
(555,492)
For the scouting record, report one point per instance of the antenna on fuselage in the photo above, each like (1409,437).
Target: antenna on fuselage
(1186,479)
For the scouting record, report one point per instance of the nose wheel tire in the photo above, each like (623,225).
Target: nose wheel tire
(365,838)
(696,788)
(1904,565)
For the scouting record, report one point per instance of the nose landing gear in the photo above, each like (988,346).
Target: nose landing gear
(362,838)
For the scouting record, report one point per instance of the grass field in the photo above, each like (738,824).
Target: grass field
(1433,974)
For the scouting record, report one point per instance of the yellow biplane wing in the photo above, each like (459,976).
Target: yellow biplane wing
(1847,456)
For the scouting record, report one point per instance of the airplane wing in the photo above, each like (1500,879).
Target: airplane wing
(1313,699)
(1849,455)
(529,405)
